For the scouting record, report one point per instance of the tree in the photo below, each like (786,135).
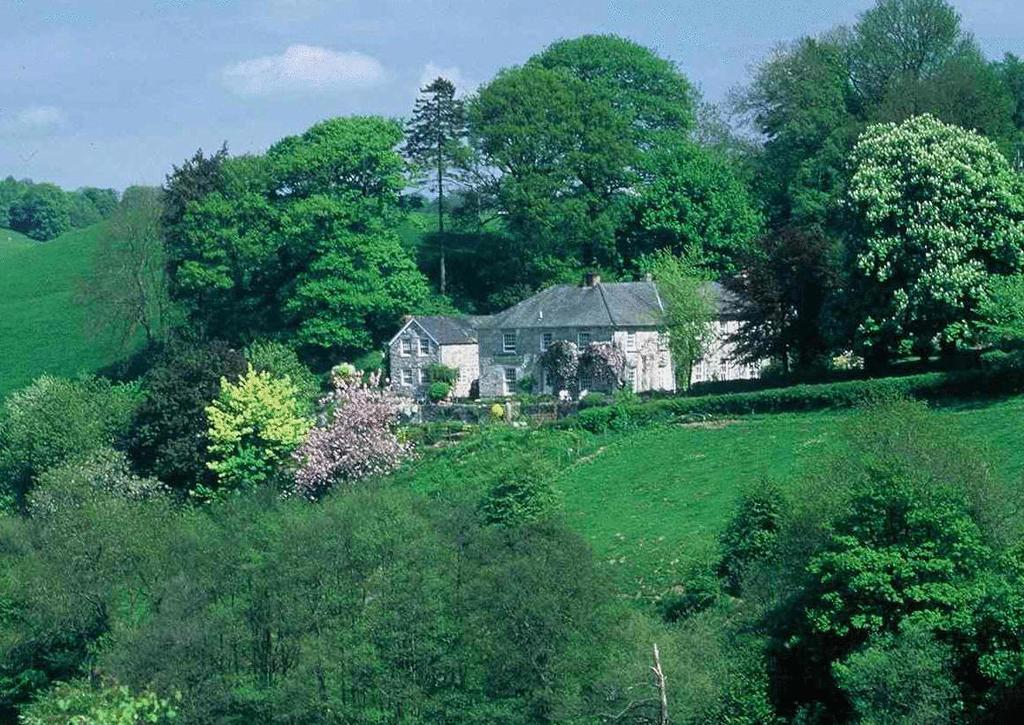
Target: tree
(1001,310)
(128,289)
(255,424)
(299,243)
(42,212)
(355,437)
(938,210)
(659,102)
(280,360)
(902,39)
(695,206)
(55,419)
(434,139)
(564,156)
(169,439)
(80,701)
(604,363)
(689,309)
(781,297)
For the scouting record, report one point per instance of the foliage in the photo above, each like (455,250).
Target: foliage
(169,439)
(55,419)
(354,437)
(42,212)
(497,411)
(435,143)
(103,472)
(281,361)
(519,497)
(1001,310)
(442,374)
(127,288)
(81,703)
(693,204)
(330,198)
(1005,378)
(939,210)
(438,391)
(689,309)
(255,424)
(604,363)
(901,678)
(781,299)
(562,362)
(751,535)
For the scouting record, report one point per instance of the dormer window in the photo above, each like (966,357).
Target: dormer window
(508,342)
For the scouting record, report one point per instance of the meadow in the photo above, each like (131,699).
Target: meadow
(651,503)
(42,328)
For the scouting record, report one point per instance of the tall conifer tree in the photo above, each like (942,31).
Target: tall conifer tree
(434,140)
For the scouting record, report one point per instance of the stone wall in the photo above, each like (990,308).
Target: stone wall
(466,359)
(415,362)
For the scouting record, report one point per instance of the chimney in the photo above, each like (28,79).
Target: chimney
(591,279)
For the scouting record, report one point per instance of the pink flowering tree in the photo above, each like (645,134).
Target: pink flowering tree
(562,362)
(605,364)
(355,436)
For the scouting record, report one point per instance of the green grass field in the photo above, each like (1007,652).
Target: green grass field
(652,503)
(42,330)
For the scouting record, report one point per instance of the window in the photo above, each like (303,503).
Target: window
(545,341)
(407,346)
(583,338)
(423,376)
(586,382)
(424,346)
(406,376)
(631,378)
(510,380)
(631,340)
(508,342)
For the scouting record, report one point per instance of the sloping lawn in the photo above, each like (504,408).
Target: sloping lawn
(42,330)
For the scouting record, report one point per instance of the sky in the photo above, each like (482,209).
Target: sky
(112,93)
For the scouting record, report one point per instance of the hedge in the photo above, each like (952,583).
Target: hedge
(1004,378)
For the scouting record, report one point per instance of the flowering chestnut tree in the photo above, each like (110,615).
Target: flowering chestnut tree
(355,436)
(562,362)
(604,363)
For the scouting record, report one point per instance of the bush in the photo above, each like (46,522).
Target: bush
(442,374)
(520,497)
(438,391)
(72,703)
(1005,377)
(752,534)
(282,361)
(54,419)
(42,212)
(594,400)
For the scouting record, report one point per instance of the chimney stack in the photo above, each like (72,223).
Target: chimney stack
(590,279)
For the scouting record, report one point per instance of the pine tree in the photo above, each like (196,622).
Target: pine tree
(434,141)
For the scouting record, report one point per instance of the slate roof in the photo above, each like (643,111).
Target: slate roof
(602,305)
(449,330)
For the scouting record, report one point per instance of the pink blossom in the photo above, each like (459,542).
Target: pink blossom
(355,437)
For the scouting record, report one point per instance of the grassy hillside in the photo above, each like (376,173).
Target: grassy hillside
(651,503)
(41,328)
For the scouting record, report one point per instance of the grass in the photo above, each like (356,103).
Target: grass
(42,330)
(652,503)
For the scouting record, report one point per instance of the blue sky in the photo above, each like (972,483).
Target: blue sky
(112,93)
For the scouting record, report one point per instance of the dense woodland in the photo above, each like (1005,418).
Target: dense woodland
(233,524)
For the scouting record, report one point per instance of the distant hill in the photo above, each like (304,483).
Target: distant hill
(42,330)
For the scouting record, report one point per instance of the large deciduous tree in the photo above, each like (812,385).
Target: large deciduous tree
(127,287)
(41,212)
(435,144)
(689,309)
(299,242)
(937,211)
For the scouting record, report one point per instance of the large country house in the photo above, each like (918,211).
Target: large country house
(496,355)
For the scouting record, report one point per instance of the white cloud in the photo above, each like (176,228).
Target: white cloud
(303,69)
(40,116)
(463,86)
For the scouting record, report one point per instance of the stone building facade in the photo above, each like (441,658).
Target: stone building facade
(501,353)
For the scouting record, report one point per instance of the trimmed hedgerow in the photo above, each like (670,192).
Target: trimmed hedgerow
(1003,379)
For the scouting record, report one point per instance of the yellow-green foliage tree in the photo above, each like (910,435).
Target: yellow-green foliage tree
(255,424)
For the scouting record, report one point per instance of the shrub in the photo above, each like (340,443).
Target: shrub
(282,361)
(594,400)
(497,411)
(699,592)
(1004,378)
(752,533)
(442,374)
(55,419)
(438,391)
(80,702)
(255,425)
(521,496)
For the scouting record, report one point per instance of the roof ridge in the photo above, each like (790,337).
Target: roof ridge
(607,307)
